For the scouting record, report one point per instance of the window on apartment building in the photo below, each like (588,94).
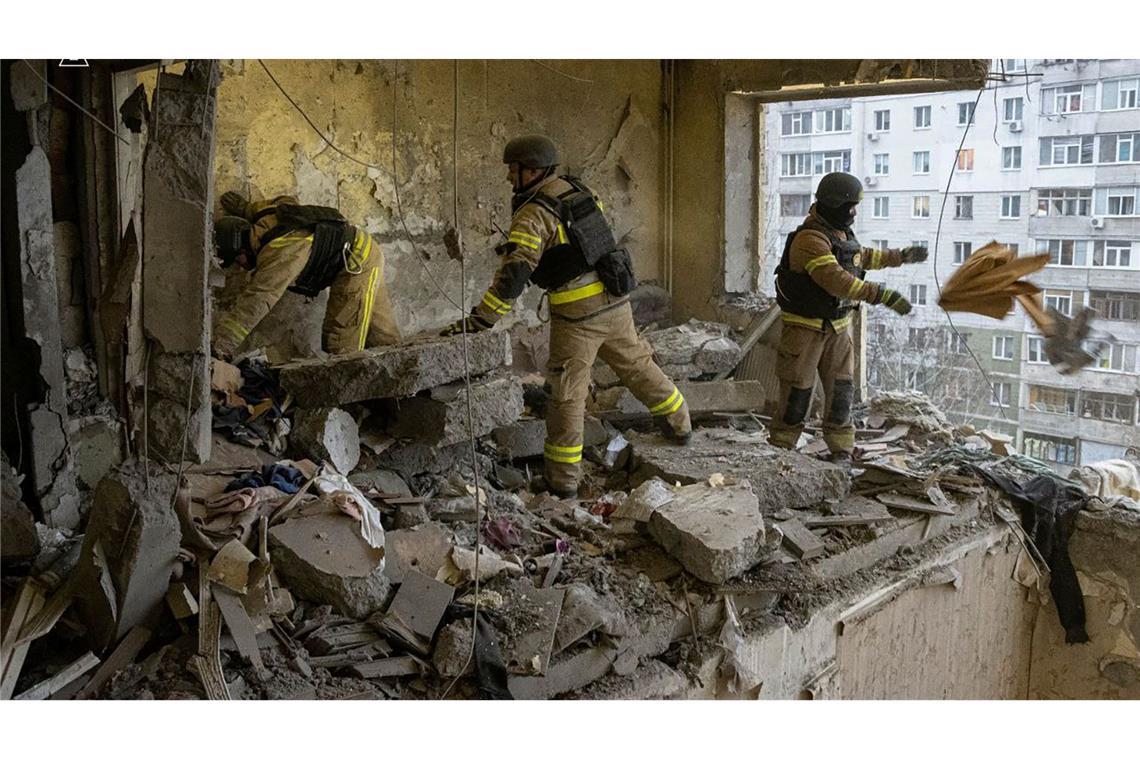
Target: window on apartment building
(1042,398)
(1120,149)
(883,121)
(1035,350)
(963,207)
(1011,158)
(1003,346)
(918,337)
(959,343)
(918,295)
(1067,151)
(1064,202)
(1116,357)
(795,204)
(833,120)
(1110,407)
(795,165)
(796,123)
(922,117)
(915,378)
(1014,248)
(1048,448)
(1112,253)
(881,208)
(965,113)
(1011,207)
(962,251)
(882,164)
(1119,94)
(1010,65)
(827,161)
(1012,109)
(922,162)
(1066,99)
(1067,253)
(966,160)
(1116,305)
(921,207)
(1121,202)
(1002,394)
(1061,300)
(880,245)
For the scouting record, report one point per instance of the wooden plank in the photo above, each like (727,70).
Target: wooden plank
(48,616)
(28,604)
(803,543)
(241,627)
(389,667)
(123,656)
(760,325)
(840,521)
(895,433)
(208,660)
(417,610)
(898,501)
(45,689)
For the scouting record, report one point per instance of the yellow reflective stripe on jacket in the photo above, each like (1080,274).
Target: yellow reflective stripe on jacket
(820,261)
(361,250)
(876,260)
(495,304)
(369,301)
(285,240)
(577,294)
(855,286)
(564,454)
(669,405)
(234,329)
(815,324)
(523,239)
(840,324)
(561,233)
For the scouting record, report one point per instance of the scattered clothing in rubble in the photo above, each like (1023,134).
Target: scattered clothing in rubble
(281,476)
(254,415)
(1112,478)
(489,661)
(1049,510)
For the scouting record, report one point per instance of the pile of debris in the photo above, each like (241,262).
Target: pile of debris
(350,569)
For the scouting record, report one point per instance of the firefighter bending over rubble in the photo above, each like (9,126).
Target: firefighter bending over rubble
(819,283)
(304,249)
(560,240)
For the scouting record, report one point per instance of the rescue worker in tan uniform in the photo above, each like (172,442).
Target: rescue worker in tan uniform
(819,283)
(560,240)
(305,249)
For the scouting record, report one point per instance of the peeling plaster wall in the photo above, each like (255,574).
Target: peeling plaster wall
(608,129)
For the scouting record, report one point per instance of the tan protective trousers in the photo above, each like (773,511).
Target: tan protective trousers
(360,313)
(801,354)
(612,336)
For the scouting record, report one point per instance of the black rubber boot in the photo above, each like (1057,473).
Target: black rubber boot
(538,484)
(667,431)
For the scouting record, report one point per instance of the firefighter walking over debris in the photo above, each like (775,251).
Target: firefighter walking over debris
(819,283)
(560,240)
(305,249)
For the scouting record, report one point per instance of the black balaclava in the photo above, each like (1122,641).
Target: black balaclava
(838,217)
(522,194)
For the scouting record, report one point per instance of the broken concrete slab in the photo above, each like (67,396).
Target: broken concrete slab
(392,371)
(702,397)
(425,548)
(383,481)
(644,500)
(803,543)
(129,551)
(452,650)
(653,679)
(715,533)
(18,538)
(526,438)
(585,611)
(97,445)
(327,434)
(685,352)
(417,610)
(324,559)
(527,648)
(568,673)
(417,458)
(780,478)
(29,91)
(439,417)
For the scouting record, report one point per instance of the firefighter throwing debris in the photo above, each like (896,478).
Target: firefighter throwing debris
(819,283)
(560,240)
(305,249)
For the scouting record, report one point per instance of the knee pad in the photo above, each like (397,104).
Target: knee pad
(797,407)
(842,394)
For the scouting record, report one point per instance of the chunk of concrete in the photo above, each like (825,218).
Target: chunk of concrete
(424,548)
(702,397)
(327,434)
(418,458)
(392,371)
(324,559)
(452,650)
(526,438)
(780,478)
(18,538)
(715,533)
(384,481)
(97,445)
(439,417)
(129,551)
(685,352)
(584,611)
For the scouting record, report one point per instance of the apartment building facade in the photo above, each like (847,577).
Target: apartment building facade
(1045,160)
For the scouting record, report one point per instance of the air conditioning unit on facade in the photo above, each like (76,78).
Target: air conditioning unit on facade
(872,137)
(870,181)
(1097,223)
(1015,125)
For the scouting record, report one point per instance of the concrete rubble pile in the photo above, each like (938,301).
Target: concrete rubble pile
(347,570)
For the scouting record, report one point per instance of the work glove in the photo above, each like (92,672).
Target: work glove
(474,324)
(234,203)
(894,301)
(914,254)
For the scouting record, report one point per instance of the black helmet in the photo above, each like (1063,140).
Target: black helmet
(531,152)
(839,188)
(231,236)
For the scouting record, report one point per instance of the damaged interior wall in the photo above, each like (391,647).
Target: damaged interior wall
(604,115)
